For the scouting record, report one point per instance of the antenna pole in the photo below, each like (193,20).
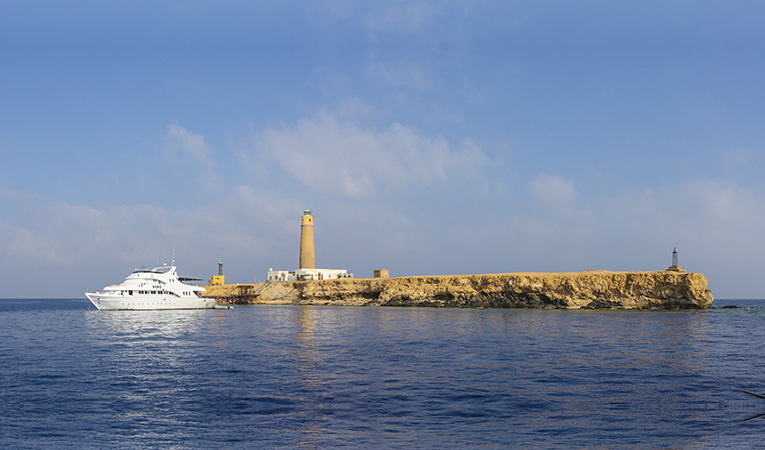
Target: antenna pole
(173,262)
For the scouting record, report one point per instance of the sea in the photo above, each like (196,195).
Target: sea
(306,377)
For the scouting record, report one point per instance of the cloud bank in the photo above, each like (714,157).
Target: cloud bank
(339,158)
(374,192)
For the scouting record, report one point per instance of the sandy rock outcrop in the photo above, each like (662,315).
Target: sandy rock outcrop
(591,289)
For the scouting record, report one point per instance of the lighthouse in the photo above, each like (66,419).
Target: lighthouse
(674,267)
(307,253)
(307,270)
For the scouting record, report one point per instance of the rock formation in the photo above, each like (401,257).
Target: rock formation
(593,289)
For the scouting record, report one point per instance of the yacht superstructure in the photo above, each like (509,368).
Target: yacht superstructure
(158,288)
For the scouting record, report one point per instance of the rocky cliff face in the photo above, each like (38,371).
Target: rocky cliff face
(591,289)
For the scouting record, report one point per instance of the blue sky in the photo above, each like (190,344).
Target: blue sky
(428,137)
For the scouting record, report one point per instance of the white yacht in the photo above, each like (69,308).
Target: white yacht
(158,288)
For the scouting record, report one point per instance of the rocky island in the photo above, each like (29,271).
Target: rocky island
(673,288)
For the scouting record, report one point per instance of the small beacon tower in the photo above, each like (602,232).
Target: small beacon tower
(307,253)
(674,267)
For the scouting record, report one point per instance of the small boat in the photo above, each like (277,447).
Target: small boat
(158,288)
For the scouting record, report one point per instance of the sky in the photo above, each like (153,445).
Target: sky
(427,137)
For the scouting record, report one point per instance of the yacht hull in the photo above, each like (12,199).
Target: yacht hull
(120,302)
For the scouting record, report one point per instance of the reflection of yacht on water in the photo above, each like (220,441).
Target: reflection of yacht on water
(159,288)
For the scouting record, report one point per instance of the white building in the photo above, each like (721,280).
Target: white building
(307,274)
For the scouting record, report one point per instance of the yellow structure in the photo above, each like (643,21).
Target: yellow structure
(307,254)
(216,280)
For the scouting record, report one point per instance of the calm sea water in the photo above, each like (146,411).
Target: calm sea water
(332,377)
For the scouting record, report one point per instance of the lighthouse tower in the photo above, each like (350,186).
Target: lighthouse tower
(307,254)
(307,270)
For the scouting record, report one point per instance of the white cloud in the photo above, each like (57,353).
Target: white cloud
(14,194)
(703,209)
(720,203)
(70,234)
(181,143)
(183,146)
(340,158)
(553,191)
